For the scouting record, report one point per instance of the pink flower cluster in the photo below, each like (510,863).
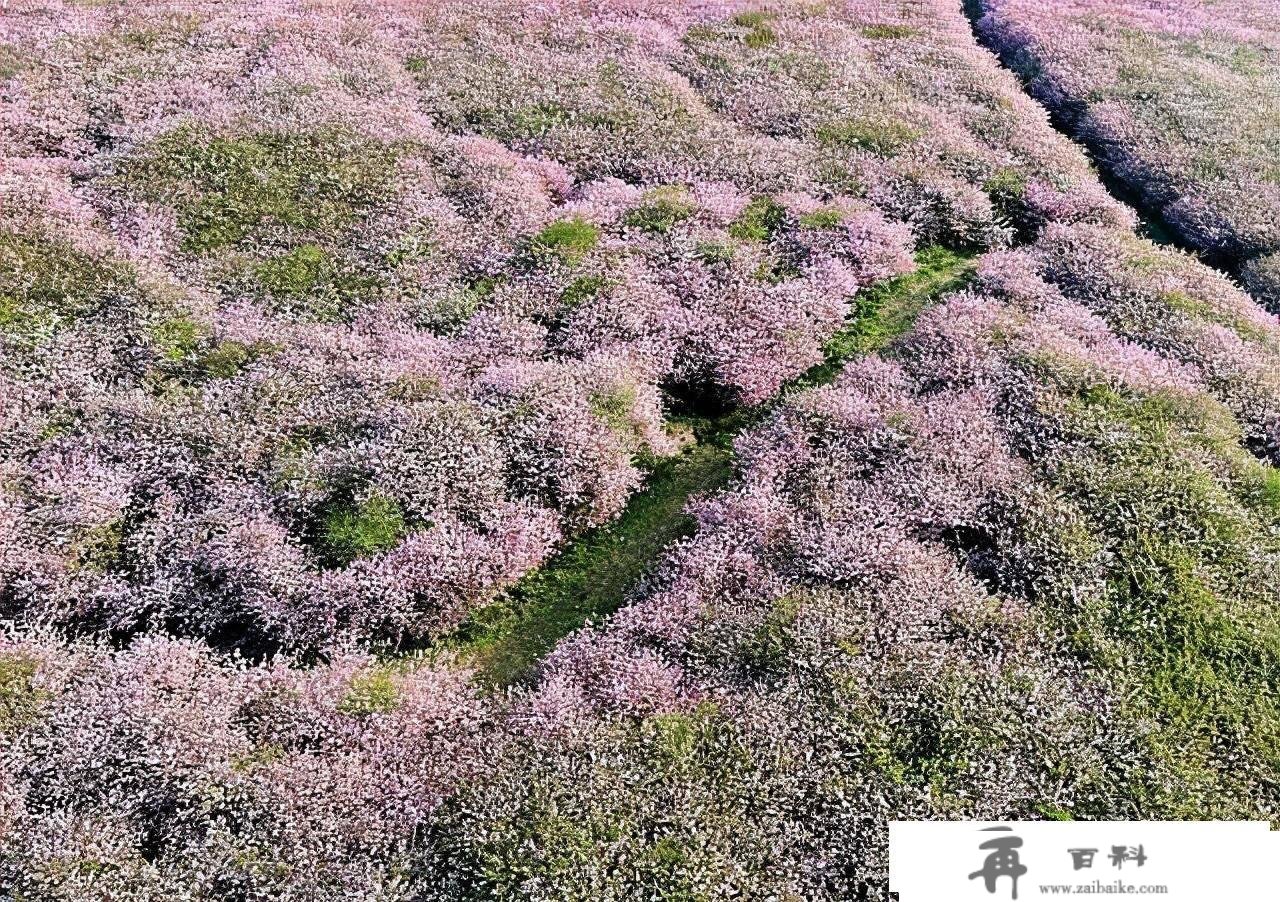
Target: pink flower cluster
(163,768)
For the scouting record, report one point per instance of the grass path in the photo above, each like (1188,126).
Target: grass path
(593,575)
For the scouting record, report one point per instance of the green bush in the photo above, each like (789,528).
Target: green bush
(885,137)
(714,253)
(225,359)
(661,210)
(614,406)
(759,221)
(177,338)
(570,240)
(357,529)
(634,810)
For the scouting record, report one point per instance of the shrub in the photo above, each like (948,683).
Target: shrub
(880,136)
(568,239)
(661,210)
(759,221)
(362,528)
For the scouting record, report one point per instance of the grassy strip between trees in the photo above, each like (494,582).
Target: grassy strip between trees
(593,575)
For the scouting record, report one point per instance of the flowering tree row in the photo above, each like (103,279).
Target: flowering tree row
(1180,100)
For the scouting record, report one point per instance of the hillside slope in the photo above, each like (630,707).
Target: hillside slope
(324,327)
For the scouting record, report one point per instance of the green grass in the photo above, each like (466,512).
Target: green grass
(760,220)
(294,274)
(229,190)
(889,32)
(661,209)
(19,699)
(371,692)
(593,575)
(1185,521)
(590,578)
(569,239)
(46,285)
(759,33)
(188,352)
(351,531)
(884,137)
(582,289)
(821,219)
(889,309)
